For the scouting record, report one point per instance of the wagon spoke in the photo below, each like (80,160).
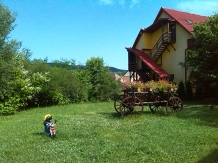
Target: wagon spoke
(117,103)
(174,105)
(130,105)
(138,107)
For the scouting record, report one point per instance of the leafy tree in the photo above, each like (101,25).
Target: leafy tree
(17,86)
(6,20)
(64,87)
(64,63)
(84,78)
(8,62)
(203,58)
(102,82)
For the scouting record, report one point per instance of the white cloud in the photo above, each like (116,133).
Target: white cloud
(106,2)
(133,3)
(201,7)
(123,3)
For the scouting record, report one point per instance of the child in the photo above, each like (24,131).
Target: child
(47,123)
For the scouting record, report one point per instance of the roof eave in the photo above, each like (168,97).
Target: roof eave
(138,37)
(151,28)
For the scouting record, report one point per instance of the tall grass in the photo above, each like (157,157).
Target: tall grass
(94,132)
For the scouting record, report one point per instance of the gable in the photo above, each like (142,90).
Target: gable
(185,19)
(163,15)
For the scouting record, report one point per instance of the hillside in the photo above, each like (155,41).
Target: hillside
(116,70)
(81,67)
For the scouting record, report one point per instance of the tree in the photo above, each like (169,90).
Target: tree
(203,58)
(17,86)
(102,83)
(6,20)
(64,63)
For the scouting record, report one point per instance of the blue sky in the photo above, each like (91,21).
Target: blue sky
(81,29)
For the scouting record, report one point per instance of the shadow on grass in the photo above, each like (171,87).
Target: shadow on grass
(115,115)
(212,157)
(43,135)
(112,115)
(209,101)
(202,115)
(38,133)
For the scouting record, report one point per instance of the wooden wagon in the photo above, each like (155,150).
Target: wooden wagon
(133,102)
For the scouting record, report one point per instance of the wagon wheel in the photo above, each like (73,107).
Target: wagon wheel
(174,105)
(131,105)
(156,105)
(117,103)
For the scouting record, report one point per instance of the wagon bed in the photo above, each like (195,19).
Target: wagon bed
(133,102)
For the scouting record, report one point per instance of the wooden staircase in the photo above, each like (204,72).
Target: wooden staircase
(155,54)
(160,46)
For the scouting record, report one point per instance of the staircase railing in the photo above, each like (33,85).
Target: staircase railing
(160,46)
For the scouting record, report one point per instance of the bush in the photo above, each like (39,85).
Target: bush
(102,83)
(189,93)
(181,90)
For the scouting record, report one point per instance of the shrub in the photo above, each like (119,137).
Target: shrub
(189,93)
(181,90)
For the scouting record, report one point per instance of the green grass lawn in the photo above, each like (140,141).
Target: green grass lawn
(94,132)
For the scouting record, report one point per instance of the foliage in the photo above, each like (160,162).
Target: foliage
(6,20)
(94,132)
(103,85)
(23,87)
(30,83)
(181,90)
(17,86)
(161,85)
(131,86)
(84,78)
(64,86)
(70,86)
(64,63)
(202,59)
(79,66)
(188,90)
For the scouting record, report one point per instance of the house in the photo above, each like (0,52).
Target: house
(159,48)
(117,77)
(122,78)
(126,76)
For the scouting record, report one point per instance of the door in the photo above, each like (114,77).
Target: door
(172,33)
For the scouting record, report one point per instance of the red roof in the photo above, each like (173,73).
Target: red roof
(185,19)
(150,63)
(180,17)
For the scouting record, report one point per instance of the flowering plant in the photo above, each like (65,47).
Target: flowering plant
(161,86)
(132,85)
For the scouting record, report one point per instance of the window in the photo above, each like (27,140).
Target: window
(189,21)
